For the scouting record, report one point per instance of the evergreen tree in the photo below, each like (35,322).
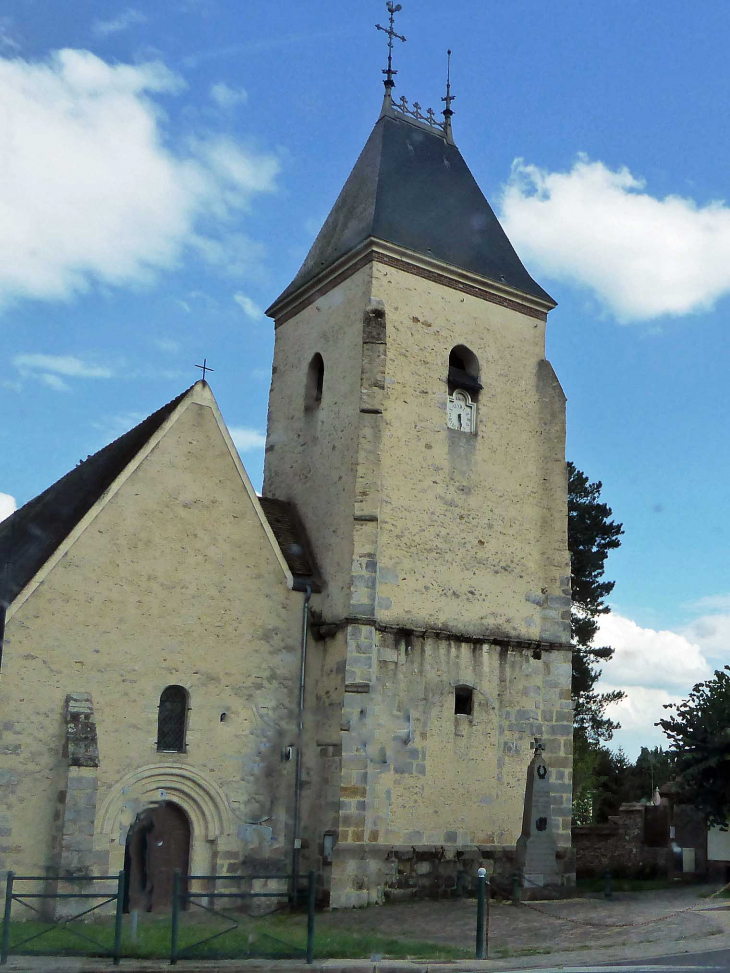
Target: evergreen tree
(591,535)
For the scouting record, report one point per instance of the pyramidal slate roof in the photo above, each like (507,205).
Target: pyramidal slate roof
(410,187)
(30,536)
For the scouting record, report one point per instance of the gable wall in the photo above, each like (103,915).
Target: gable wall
(174,582)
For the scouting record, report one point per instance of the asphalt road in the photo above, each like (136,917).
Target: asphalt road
(682,963)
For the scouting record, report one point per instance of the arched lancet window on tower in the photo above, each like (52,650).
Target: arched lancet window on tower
(172,717)
(315,383)
(464,389)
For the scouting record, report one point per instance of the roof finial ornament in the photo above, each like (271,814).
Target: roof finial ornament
(447,112)
(389,83)
(205,367)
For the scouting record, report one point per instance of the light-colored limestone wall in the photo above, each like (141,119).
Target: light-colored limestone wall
(461,779)
(472,532)
(434,777)
(174,582)
(311,456)
(422,785)
(322,748)
(453,534)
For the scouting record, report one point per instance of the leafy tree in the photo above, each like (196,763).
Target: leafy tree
(591,536)
(652,769)
(586,780)
(699,734)
(607,779)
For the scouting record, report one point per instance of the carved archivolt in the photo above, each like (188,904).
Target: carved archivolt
(201,799)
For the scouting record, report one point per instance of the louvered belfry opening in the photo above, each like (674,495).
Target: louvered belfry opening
(172,719)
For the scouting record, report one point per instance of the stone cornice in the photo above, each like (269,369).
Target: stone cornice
(325,629)
(373,250)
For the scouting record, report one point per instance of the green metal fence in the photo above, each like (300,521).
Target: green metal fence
(199,900)
(12,895)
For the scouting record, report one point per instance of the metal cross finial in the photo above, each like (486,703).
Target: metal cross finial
(538,745)
(205,367)
(393,9)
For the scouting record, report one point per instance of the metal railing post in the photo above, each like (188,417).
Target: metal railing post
(311,900)
(481,912)
(6,919)
(608,884)
(119,915)
(515,888)
(175,928)
(488,894)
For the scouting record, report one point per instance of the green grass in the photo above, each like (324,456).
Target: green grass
(624,884)
(278,936)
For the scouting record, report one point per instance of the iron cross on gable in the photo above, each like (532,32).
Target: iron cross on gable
(205,367)
(393,9)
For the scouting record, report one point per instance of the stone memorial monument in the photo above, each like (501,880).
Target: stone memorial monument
(536,847)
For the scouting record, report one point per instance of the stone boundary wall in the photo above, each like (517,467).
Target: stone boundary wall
(619,846)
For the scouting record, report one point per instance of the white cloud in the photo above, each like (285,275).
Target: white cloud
(7,41)
(169,345)
(250,309)
(54,382)
(643,257)
(711,629)
(91,193)
(237,255)
(653,667)
(226,97)
(112,427)
(67,365)
(650,658)
(712,603)
(246,439)
(712,632)
(7,505)
(128,18)
(637,714)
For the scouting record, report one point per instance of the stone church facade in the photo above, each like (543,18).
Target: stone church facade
(405,575)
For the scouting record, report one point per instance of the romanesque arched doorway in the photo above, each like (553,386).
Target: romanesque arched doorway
(157,844)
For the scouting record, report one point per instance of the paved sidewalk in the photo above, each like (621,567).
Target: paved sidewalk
(631,927)
(669,915)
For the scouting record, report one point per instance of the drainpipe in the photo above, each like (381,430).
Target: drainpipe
(296,837)
(4,586)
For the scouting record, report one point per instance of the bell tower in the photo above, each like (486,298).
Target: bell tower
(419,429)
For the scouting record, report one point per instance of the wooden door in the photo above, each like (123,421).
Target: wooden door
(159,843)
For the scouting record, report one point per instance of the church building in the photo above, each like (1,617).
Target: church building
(349,672)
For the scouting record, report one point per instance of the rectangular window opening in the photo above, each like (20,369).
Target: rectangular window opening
(463,701)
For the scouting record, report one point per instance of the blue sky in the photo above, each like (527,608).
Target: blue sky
(164,168)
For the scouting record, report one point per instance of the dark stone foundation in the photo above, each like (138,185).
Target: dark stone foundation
(368,874)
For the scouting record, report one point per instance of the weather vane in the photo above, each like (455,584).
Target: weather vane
(393,9)
(205,367)
(447,112)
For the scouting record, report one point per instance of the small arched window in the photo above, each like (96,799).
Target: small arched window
(464,389)
(315,383)
(172,717)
